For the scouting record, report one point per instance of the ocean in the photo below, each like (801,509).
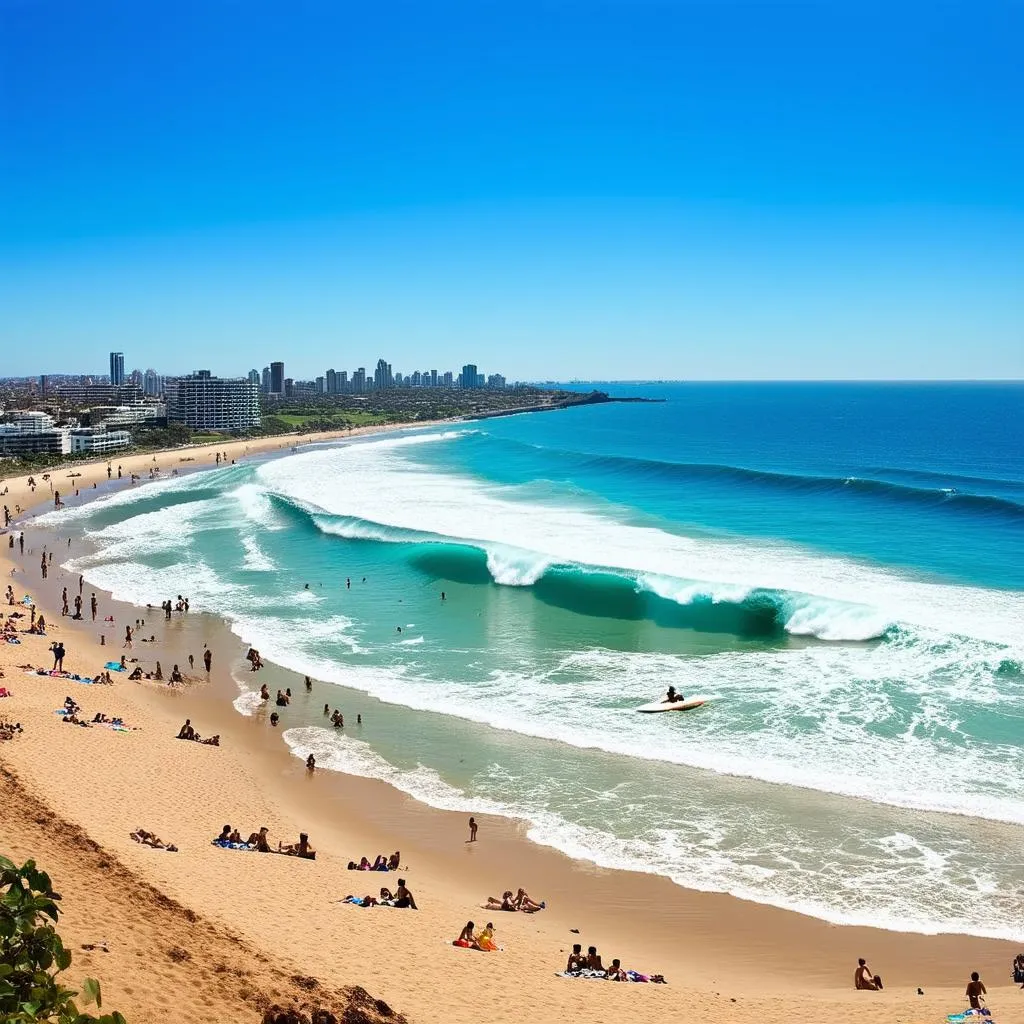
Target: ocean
(837,568)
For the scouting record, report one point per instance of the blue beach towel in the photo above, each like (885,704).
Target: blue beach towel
(114,666)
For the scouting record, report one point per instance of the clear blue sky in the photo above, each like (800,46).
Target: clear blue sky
(625,188)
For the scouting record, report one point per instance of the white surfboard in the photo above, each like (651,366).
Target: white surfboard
(675,705)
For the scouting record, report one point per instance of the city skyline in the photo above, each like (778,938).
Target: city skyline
(614,191)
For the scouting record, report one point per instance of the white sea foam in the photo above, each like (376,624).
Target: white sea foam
(705,856)
(868,599)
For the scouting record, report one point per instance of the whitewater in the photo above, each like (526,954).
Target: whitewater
(861,645)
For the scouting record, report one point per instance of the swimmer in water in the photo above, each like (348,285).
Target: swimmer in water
(671,697)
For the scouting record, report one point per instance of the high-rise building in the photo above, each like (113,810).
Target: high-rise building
(205,402)
(254,377)
(332,382)
(277,378)
(469,375)
(342,382)
(152,383)
(433,378)
(359,380)
(265,380)
(382,377)
(321,385)
(448,380)
(116,368)
(289,386)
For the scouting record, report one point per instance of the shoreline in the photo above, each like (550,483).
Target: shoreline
(703,942)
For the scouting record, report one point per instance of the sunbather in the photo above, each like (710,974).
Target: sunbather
(505,903)
(186,732)
(485,940)
(615,972)
(577,961)
(150,839)
(403,897)
(466,939)
(393,861)
(299,849)
(525,904)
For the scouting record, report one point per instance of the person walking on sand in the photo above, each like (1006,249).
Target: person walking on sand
(128,637)
(58,656)
(64,599)
(207,658)
(472,830)
(976,991)
(94,605)
(81,583)
(44,565)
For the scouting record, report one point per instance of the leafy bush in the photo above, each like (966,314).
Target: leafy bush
(32,954)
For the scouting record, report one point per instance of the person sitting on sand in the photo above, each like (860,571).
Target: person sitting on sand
(235,836)
(525,904)
(176,676)
(577,961)
(299,849)
(186,732)
(380,864)
(404,898)
(136,674)
(387,897)
(864,980)
(485,940)
(466,939)
(258,840)
(159,673)
(615,972)
(364,864)
(594,960)
(225,835)
(394,860)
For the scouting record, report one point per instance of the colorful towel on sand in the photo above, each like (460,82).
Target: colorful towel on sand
(54,674)
(224,845)
(4,692)
(12,639)
(114,666)
(634,976)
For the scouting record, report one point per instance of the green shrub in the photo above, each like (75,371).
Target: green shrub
(32,954)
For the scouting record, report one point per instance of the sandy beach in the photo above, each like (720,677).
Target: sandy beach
(77,793)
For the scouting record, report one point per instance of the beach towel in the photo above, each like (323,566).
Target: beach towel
(12,639)
(114,666)
(225,845)
(4,692)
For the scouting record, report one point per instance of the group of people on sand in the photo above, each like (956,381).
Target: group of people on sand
(589,965)
(254,659)
(8,730)
(186,732)
(232,839)
(520,902)
(401,898)
(382,863)
(483,941)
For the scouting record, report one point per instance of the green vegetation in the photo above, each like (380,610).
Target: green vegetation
(32,954)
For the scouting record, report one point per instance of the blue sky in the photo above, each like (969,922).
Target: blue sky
(619,189)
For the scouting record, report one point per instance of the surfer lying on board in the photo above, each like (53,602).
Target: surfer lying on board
(671,697)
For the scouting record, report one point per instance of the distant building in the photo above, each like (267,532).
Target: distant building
(277,378)
(116,368)
(152,384)
(289,386)
(382,377)
(265,380)
(97,394)
(205,402)
(254,377)
(469,375)
(98,439)
(126,415)
(496,381)
(359,381)
(321,385)
(31,433)
(448,381)
(342,382)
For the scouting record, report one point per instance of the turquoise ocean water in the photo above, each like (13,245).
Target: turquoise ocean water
(838,568)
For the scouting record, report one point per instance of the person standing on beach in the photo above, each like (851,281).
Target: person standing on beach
(81,583)
(207,658)
(58,656)
(128,637)
(44,565)
(64,598)
(93,604)
(78,606)
(472,830)
(976,991)
(21,543)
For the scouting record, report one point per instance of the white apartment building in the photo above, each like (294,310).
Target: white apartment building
(98,439)
(205,402)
